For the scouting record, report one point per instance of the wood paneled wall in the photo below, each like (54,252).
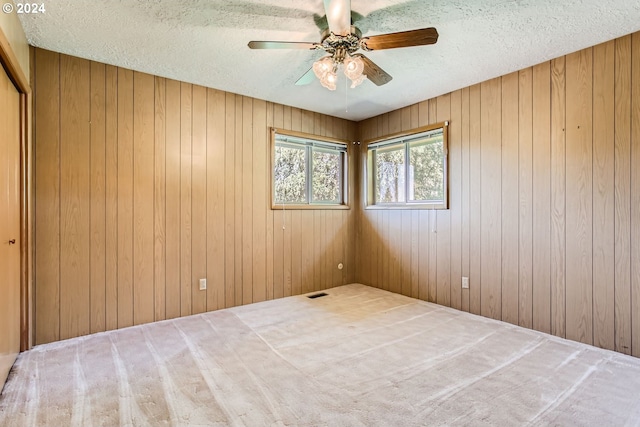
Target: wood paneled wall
(544,211)
(144,185)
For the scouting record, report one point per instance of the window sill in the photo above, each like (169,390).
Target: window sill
(407,207)
(309,207)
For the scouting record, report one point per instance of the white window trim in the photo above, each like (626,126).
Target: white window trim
(404,138)
(323,144)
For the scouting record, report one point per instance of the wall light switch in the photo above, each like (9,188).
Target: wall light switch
(203,284)
(465,283)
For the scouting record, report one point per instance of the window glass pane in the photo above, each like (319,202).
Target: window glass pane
(426,169)
(289,175)
(390,174)
(326,177)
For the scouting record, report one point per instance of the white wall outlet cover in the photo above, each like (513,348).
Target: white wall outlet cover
(465,283)
(203,284)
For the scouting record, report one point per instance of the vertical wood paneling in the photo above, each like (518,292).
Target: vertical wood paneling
(75,190)
(239,212)
(229,200)
(172,188)
(260,201)
(339,230)
(304,123)
(465,195)
(579,197)
(603,195)
(525,202)
(325,233)
(156,184)
(372,252)
(443,275)
(215,267)
(431,106)
(317,259)
(455,197)
(548,192)
(622,99)
(383,219)
(290,267)
(186,94)
(635,196)
(415,223)
(405,253)
(405,261)
(541,197)
(474,201)
(125,198)
(266,185)
(490,206)
(280,227)
(47,196)
(423,242)
(247,200)
(432,226)
(354,199)
(298,244)
(313,256)
(97,195)
(571,224)
(558,196)
(143,203)
(287,254)
(159,199)
(200,203)
(510,197)
(296,251)
(111,197)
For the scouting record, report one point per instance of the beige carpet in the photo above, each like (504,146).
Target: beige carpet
(357,357)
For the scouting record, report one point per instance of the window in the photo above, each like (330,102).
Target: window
(409,170)
(308,171)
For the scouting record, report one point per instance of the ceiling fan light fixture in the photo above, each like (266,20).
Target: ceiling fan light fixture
(341,40)
(323,66)
(329,80)
(353,69)
(358,81)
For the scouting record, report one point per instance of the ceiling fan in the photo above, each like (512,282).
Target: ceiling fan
(342,40)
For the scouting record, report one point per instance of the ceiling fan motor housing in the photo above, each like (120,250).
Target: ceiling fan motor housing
(341,45)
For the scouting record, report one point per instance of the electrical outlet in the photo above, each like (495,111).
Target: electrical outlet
(465,283)
(203,284)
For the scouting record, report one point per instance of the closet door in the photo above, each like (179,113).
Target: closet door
(9,225)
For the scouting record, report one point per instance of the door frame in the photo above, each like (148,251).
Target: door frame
(15,73)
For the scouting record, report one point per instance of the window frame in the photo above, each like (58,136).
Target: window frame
(404,138)
(320,140)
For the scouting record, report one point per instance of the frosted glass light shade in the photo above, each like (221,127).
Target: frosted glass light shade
(353,68)
(329,80)
(326,70)
(323,66)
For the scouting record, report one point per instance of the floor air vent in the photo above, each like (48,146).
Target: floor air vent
(321,294)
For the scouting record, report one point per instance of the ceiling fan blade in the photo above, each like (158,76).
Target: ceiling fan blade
(373,72)
(307,78)
(338,16)
(282,45)
(402,39)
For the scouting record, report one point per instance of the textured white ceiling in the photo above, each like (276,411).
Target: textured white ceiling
(205,42)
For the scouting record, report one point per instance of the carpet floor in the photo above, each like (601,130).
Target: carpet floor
(359,356)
